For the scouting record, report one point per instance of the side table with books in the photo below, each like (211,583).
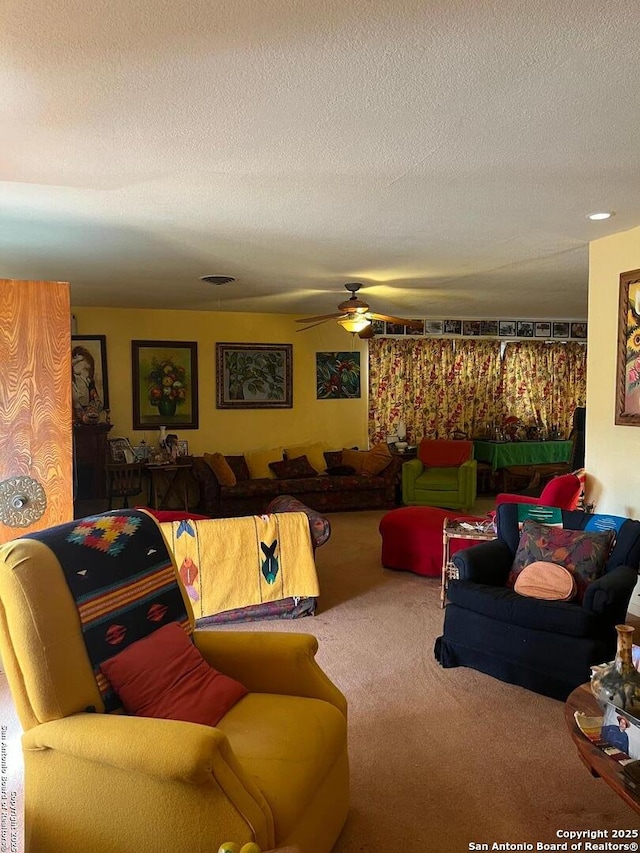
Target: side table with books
(475,530)
(583,716)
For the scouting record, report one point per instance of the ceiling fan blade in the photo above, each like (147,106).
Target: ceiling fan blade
(321,317)
(312,326)
(413,324)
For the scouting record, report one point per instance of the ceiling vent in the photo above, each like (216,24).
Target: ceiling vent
(217,279)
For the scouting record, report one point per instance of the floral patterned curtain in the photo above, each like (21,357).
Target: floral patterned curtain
(543,383)
(441,386)
(472,399)
(408,382)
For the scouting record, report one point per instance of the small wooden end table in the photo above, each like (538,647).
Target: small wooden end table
(595,760)
(167,481)
(480,530)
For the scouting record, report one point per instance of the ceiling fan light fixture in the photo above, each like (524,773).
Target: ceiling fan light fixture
(354,323)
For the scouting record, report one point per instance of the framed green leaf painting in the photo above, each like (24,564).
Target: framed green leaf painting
(254,376)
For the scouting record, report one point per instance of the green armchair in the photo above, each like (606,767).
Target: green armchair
(444,474)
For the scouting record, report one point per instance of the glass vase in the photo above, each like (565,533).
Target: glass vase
(618,682)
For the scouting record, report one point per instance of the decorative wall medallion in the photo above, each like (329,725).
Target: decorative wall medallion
(22,501)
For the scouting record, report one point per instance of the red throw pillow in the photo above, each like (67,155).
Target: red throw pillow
(165,676)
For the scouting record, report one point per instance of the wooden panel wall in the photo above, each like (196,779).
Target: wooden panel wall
(35,394)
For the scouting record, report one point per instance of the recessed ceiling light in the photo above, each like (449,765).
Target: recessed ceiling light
(597,217)
(217,279)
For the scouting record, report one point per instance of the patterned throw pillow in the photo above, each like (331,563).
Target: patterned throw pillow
(582,552)
(313,452)
(293,469)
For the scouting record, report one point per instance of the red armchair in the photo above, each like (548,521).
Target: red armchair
(563,491)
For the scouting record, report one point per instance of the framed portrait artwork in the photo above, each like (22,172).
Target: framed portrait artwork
(165,384)
(89,386)
(254,376)
(628,367)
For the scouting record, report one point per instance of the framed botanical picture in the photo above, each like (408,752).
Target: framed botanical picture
(507,328)
(628,367)
(543,330)
(254,376)
(525,329)
(89,386)
(337,375)
(165,384)
(561,330)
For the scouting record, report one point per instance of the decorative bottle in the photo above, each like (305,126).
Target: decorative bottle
(618,682)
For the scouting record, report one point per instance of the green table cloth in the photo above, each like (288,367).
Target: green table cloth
(503,454)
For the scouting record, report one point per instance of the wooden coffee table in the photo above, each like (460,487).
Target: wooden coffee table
(598,764)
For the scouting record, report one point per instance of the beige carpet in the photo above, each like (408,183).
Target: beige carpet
(439,758)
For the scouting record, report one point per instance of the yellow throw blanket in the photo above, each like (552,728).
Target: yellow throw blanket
(226,563)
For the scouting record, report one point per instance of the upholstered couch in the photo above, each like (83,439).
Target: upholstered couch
(339,487)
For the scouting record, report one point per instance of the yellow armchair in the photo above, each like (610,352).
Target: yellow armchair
(274,770)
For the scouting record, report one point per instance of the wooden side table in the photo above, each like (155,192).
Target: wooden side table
(405,455)
(597,762)
(169,481)
(454,528)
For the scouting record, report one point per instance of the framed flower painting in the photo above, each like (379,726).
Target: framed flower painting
(165,384)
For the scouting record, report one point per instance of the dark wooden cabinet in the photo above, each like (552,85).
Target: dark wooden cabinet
(90,448)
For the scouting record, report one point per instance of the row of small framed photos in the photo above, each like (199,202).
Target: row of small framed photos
(567,330)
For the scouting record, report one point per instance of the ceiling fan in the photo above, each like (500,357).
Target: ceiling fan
(354,315)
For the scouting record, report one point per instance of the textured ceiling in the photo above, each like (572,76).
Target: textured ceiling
(443,152)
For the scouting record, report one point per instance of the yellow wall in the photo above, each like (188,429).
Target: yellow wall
(612,451)
(338,422)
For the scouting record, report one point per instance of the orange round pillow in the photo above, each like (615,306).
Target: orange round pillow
(546,580)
